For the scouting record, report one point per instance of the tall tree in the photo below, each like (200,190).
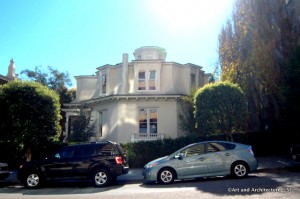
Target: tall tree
(30,115)
(253,47)
(220,108)
(55,80)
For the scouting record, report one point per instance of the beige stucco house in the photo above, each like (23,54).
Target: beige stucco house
(137,100)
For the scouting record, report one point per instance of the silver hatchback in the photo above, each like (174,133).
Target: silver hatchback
(203,159)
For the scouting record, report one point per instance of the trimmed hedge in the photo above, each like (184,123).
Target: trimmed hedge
(263,144)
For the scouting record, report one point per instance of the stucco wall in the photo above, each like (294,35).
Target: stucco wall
(122,118)
(86,87)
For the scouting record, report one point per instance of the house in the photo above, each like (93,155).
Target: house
(137,100)
(11,75)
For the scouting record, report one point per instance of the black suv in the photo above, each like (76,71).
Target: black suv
(100,162)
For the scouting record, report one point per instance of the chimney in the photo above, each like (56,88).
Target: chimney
(11,70)
(125,74)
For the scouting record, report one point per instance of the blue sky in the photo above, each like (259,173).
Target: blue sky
(78,36)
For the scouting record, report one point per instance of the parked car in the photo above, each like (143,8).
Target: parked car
(4,172)
(99,162)
(295,152)
(203,159)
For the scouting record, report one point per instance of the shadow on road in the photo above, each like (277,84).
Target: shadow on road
(55,188)
(227,186)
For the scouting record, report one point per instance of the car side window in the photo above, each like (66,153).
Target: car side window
(219,146)
(193,150)
(106,150)
(65,153)
(85,151)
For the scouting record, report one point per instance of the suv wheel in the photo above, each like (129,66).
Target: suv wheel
(101,178)
(33,180)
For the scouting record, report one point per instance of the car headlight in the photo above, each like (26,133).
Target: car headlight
(151,165)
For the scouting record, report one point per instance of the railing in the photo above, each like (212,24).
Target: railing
(146,136)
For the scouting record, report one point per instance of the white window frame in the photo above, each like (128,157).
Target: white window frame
(142,80)
(148,122)
(147,80)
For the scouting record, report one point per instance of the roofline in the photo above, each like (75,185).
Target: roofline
(126,97)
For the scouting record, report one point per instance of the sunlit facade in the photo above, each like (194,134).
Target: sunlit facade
(137,100)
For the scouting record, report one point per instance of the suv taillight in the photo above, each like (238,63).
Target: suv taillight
(118,160)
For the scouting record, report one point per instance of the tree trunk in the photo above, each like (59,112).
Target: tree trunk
(28,154)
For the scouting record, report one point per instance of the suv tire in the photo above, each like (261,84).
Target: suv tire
(101,178)
(33,180)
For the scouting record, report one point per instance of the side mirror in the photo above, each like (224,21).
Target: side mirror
(180,156)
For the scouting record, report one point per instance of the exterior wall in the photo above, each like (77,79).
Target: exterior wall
(115,113)
(86,87)
(121,118)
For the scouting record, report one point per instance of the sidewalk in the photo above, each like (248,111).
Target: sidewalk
(264,163)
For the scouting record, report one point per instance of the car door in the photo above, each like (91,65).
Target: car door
(218,157)
(192,161)
(60,165)
(83,159)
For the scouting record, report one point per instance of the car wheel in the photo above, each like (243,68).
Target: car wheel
(239,170)
(33,180)
(166,176)
(101,178)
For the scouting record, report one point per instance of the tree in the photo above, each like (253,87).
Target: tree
(81,131)
(254,47)
(55,80)
(220,108)
(186,118)
(30,115)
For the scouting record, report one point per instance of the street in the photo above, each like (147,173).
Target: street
(275,183)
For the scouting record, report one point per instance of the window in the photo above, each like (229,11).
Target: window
(219,146)
(142,81)
(193,150)
(148,121)
(152,80)
(193,80)
(143,121)
(104,82)
(147,80)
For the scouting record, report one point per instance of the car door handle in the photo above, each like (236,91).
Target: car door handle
(228,154)
(201,159)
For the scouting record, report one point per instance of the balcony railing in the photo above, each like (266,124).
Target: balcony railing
(146,136)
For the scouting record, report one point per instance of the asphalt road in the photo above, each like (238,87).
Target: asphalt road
(276,183)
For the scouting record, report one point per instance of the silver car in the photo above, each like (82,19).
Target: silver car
(203,159)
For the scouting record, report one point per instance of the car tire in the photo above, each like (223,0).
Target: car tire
(239,170)
(33,180)
(166,176)
(101,178)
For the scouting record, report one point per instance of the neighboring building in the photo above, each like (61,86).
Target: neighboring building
(11,75)
(137,100)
